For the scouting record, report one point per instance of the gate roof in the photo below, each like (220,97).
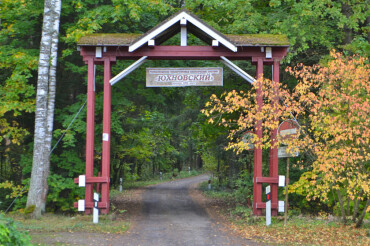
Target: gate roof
(171,26)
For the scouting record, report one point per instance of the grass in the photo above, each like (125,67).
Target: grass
(300,230)
(79,223)
(54,223)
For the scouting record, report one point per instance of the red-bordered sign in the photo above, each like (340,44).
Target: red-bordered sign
(288,130)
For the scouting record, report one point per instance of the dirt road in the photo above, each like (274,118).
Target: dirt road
(169,217)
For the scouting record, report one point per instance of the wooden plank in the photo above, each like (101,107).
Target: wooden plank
(274,205)
(185,53)
(269,180)
(263,205)
(90,180)
(91,205)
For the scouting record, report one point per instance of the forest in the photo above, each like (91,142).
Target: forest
(324,80)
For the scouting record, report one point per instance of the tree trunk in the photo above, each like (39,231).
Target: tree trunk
(348,207)
(51,98)
(367,24)
(355,207)
(41,152)
(341,204)
(361,218)
(348,34)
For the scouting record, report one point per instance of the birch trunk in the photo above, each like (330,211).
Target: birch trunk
(51,96)
(36,198)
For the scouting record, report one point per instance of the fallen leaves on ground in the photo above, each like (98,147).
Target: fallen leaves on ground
(300,230)
(308,232)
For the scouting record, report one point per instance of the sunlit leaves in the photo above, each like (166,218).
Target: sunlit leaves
(333,101)
(339,114)
(239,112)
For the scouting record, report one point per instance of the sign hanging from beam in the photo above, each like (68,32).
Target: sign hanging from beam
(179,77)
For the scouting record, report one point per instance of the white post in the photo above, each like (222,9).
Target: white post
(96,210)
(183,41)
(120,184)
(160,175)
(209,184)
(268,206)
(189,170)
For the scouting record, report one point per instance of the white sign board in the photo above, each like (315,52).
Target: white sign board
(281,207)
(286,132)
(81,181)
(105,137)
(179,77)
(282,153)
(81,205)
(281,180)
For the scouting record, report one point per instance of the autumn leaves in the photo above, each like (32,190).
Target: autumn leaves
(331,102)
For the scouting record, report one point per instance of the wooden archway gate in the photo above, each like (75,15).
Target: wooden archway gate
(105,49)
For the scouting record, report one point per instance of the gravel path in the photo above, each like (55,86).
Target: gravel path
(169,217)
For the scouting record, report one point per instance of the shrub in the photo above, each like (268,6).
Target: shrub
(9,235)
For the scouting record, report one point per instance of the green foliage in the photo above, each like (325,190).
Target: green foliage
(313,27)
(8,192)
(244,187)
(153,129)
(9,235)
(62,194)
(18,61)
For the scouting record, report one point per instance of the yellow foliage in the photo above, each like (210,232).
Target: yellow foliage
(335,100)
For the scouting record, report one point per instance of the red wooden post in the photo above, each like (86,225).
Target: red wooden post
(106,135)
(90,131)
(98,185)
(257,187)
(274,161)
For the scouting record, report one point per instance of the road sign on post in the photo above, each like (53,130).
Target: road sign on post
(288,130)
(247,139)
(283,153)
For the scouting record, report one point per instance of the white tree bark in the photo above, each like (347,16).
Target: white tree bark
(51,96)
(46,70)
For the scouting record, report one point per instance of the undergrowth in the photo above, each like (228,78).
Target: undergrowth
(10,235)
(301,229)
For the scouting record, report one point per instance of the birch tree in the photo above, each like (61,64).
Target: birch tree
(44,116)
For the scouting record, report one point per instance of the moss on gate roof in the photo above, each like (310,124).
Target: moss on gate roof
(108,39)
(125,39)
(258,39)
